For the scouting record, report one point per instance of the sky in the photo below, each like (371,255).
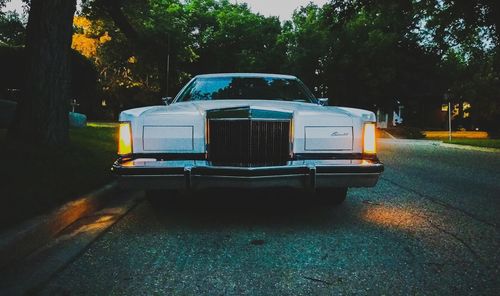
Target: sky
(281,8)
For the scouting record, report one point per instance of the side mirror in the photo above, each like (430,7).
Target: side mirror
(167,100)
(323,101)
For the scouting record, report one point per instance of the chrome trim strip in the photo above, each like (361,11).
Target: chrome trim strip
(248,119)
(363,174)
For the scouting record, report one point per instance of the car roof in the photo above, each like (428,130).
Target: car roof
(249,75)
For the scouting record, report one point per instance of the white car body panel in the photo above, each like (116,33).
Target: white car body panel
(180,127)
(328,138)
(179,139)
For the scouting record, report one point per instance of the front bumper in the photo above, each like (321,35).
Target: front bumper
(150,174)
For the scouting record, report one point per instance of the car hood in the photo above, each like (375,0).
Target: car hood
(201,107)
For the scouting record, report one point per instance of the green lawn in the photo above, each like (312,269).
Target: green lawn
(488,143)
(35,181)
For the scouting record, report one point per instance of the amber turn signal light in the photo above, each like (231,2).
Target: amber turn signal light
(369,145)
(125,139)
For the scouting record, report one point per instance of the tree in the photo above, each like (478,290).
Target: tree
(196,36)
(360,53)
(465,34)
(230,38)
(42,113)
(306,37)
(11,29)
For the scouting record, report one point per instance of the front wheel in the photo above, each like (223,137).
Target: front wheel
(331,196)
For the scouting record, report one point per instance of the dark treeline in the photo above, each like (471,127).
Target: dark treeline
(360,53)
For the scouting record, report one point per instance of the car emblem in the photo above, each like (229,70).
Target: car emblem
(337,134)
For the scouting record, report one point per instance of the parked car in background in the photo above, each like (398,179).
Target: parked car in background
(248,131)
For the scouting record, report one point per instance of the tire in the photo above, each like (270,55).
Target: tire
(161,198)
(331,196)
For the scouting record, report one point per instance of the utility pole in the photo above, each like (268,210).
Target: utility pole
(449,121)
(168,67)
(447,97)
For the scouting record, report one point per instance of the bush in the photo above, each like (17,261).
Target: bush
(84,80)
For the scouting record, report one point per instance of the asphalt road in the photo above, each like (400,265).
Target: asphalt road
(430,226)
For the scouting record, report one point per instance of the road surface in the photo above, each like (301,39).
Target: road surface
(430,226)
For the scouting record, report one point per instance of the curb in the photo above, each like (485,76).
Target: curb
(410,141)
(468,147)
(390,136)
(19,242)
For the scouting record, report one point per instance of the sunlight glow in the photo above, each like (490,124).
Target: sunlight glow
(394,217)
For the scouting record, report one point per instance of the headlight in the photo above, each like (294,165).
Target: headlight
(125,139)
(369,145)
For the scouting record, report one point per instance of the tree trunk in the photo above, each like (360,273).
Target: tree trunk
(42,113)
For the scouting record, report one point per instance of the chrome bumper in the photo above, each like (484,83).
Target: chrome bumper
(200,174)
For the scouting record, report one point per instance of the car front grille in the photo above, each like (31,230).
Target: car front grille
(247,141)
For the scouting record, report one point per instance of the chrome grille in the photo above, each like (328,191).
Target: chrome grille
(246,141)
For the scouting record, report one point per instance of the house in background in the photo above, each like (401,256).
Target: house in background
(391,118)
(428,115)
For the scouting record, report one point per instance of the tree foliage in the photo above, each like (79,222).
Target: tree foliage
(360,53)
(12,30)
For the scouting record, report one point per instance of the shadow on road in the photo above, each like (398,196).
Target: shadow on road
(247,208)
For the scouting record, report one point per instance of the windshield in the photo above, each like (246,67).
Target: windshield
(246,88)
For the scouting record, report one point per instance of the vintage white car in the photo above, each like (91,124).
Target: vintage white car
(248,131)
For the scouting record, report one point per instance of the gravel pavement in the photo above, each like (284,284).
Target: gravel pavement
(430,226)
